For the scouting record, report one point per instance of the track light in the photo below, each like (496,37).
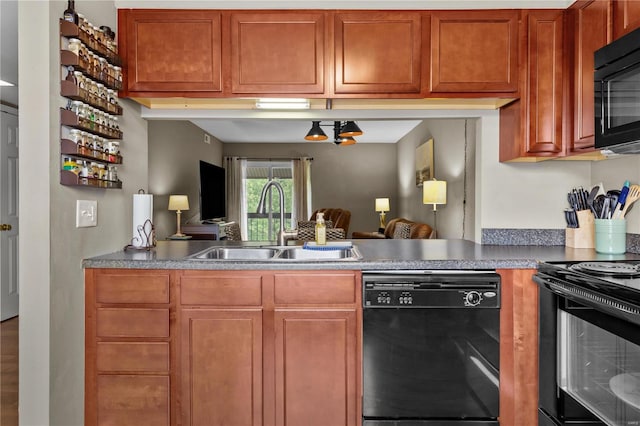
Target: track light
(316,133)
(342,132)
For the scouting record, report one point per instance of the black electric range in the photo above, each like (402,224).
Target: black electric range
(609,286)
(589,343)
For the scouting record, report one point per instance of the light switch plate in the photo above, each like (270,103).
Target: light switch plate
(86,213)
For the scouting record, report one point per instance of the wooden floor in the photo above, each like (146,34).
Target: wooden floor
(9,372)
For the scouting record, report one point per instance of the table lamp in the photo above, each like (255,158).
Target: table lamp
(382,205)
(434,192)
(178,203)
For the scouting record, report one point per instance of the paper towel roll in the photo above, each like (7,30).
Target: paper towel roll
(142,211)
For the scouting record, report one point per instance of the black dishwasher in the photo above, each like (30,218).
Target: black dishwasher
(431,348)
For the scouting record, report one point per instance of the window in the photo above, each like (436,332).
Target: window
(264,227)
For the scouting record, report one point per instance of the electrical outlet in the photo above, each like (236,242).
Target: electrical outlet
(207,138)
(86,213)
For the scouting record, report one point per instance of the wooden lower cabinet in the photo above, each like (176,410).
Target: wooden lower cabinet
(316,367)
(128,340)
(270,348)
(221,369)
(273,348)
(518,348)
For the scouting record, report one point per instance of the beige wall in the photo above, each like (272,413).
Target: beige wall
(175,148)
(348,177)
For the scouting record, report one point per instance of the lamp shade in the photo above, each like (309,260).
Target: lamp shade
(316,133)
(178,202)
(434,192)
(382,204)
(350,128)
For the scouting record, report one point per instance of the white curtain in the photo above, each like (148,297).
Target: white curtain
(301,189)
(235,168)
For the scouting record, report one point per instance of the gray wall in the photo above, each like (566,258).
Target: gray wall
(349,177)
(51,247)
(454,143)
(175,148)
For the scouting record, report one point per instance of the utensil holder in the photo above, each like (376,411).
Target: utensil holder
(611,236)
(582,237)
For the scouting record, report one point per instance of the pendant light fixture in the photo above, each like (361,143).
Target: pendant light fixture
(343,132)
(316,133)
(350,128)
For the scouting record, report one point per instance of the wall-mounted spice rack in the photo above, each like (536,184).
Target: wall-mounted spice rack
(90,134)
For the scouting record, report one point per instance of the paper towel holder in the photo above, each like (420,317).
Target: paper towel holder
(144,237)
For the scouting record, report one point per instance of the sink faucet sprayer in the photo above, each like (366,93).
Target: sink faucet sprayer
(283,236)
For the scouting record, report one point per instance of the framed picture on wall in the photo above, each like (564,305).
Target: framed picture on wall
(424,162)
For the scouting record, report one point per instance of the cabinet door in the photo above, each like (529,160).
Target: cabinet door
(626,17)
(590,33)
(171,50)
(544,82)
(221,355)
(317,367)
(531,128)
(474,52)
(378,52)
(277,53)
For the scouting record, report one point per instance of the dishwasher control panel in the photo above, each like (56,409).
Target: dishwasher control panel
(432,291)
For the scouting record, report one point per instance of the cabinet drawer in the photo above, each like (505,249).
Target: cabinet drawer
(221,290)
(132,288)
(133,400)
(315,289)
(133,356)
(132,322)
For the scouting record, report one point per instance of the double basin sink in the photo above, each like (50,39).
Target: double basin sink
(278,253)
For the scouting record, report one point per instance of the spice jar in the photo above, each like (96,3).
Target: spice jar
(118,77)
(75,137)
(74,46)
(77,107)
(80,79)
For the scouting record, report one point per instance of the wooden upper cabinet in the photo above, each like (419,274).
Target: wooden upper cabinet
(378,52)
(589,32)
(532,127)
(626,17)
(176,51)
(278,53)
(474,52)
(544,83)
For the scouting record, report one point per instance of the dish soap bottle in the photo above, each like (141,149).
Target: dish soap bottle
(321,230)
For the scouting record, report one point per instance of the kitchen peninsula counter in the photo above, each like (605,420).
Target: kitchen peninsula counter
(157,319)
(391,254)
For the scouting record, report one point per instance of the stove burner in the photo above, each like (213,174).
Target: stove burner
(608,268)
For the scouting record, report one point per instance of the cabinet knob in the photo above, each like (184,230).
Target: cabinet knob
(5,227)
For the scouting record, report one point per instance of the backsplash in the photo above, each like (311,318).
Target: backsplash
(539,237)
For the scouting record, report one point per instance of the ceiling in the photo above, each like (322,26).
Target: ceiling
(381,122)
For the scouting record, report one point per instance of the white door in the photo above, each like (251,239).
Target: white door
(8,213)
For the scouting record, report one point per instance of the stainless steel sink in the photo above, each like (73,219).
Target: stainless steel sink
(236,253)
(277,254)
(299,253)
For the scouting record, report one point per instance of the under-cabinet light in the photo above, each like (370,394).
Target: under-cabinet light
(282,103)
(6,83)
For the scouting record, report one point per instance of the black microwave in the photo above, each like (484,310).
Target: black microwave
(617,95)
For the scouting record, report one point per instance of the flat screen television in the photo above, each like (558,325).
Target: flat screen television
(213,202)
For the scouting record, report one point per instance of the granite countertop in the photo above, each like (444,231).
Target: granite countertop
(391,254)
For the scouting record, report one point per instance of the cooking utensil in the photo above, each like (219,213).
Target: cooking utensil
(622,199)
(632,197)
(598,205)
(591,198)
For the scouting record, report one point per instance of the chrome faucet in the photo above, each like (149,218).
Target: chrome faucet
(283,236)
